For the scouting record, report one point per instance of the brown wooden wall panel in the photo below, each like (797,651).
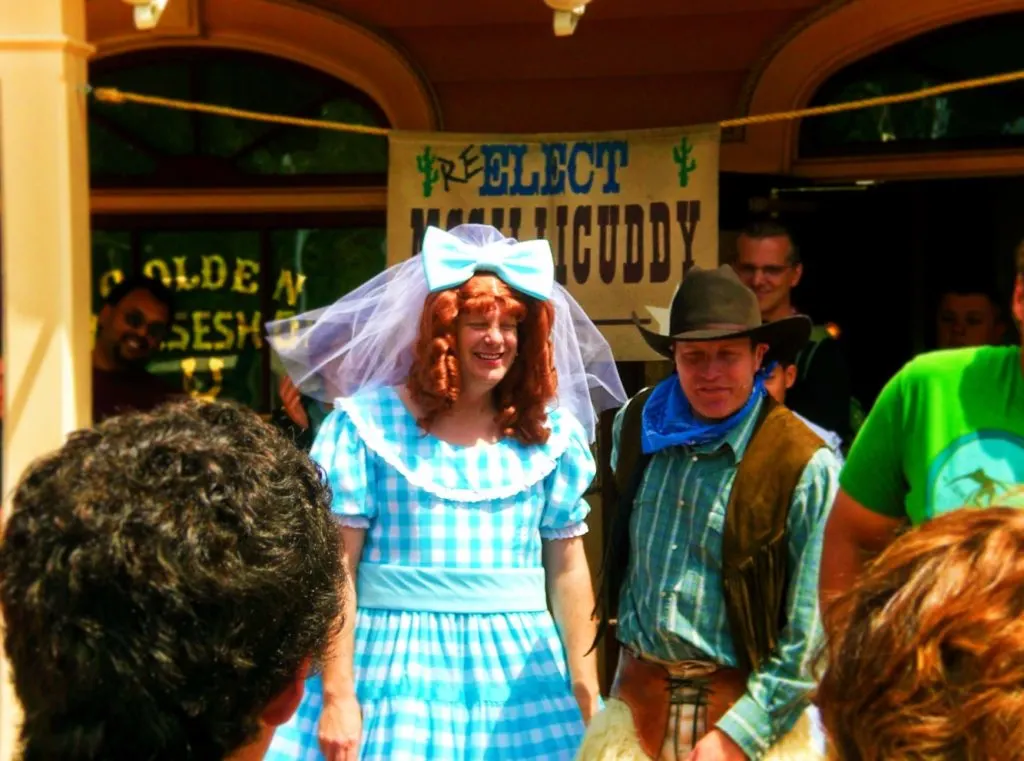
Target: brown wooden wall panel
(590,104)
(599,49)
(393,14)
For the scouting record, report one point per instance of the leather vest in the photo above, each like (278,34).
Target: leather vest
(754,544)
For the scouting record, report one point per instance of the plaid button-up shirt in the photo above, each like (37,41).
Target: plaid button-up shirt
(672,605)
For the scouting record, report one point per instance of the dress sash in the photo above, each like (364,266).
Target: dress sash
(451,590)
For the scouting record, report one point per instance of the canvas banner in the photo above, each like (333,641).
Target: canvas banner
(627,214)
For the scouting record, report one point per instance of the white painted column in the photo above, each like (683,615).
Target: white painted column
(45,244)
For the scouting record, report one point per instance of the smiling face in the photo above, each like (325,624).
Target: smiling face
(718,376)
(131,330)
(766,266)
(466,359)
(487,334)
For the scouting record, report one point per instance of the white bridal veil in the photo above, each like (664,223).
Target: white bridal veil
(365,339)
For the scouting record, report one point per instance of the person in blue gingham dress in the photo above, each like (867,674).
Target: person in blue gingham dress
(436,685)
(454,545)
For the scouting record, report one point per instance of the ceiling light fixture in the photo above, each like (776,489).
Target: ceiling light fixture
(147,12)
(567,15)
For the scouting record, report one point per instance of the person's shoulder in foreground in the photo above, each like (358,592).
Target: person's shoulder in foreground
(166,580)
(929,380)
(950,362)
(929,402)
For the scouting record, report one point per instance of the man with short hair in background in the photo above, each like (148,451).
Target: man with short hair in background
(969,314)
(768,262)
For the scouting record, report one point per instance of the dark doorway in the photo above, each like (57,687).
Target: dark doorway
(876,257)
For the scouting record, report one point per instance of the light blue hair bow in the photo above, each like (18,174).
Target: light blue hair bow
(526,266)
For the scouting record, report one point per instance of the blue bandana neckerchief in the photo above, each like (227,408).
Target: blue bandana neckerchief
(668,419)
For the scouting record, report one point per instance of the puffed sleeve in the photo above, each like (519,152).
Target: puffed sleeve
(340,451)
(565,511)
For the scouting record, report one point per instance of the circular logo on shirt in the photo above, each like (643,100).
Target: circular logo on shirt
(980,469)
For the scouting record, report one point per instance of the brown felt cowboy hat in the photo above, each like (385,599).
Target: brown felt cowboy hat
(711,305)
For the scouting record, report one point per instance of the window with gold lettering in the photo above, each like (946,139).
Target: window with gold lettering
(228,283)
(231,272)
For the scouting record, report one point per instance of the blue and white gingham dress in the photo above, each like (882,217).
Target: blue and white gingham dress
(438,685)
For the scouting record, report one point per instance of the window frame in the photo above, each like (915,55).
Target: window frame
(198,171)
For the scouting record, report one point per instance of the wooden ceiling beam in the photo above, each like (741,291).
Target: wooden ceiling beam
(399,14)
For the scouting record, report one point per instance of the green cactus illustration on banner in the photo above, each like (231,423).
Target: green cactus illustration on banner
(687,165)
(425,166)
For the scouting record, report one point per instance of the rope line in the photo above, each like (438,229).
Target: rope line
(881,100)
(115,96)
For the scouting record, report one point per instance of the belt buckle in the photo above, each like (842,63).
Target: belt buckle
(692,669)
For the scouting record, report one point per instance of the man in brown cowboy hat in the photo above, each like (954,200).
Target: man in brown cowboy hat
(712,568)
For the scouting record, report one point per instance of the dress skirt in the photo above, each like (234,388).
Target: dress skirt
(440,685)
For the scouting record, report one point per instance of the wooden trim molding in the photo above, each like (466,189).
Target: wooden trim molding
(294,31)
(738,134)
(914,167)
(846,32)
(242,201)
(17,43)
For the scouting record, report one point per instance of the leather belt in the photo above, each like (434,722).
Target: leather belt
(646,686)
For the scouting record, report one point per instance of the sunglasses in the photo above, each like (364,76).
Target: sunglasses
(136,320)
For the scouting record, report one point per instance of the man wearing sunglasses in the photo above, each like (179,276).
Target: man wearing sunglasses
(132,324)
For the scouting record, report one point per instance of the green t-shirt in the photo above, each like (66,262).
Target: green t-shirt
(946,432)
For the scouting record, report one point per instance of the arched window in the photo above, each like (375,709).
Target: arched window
(135,145)
(232,272)
(986,118)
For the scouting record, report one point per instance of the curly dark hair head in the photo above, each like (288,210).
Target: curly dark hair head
(926,661)
(523,394)
(164,577)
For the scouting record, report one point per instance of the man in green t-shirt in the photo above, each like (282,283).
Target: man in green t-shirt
(946,432)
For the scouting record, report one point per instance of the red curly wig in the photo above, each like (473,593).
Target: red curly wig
(530,384)
(927,657)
